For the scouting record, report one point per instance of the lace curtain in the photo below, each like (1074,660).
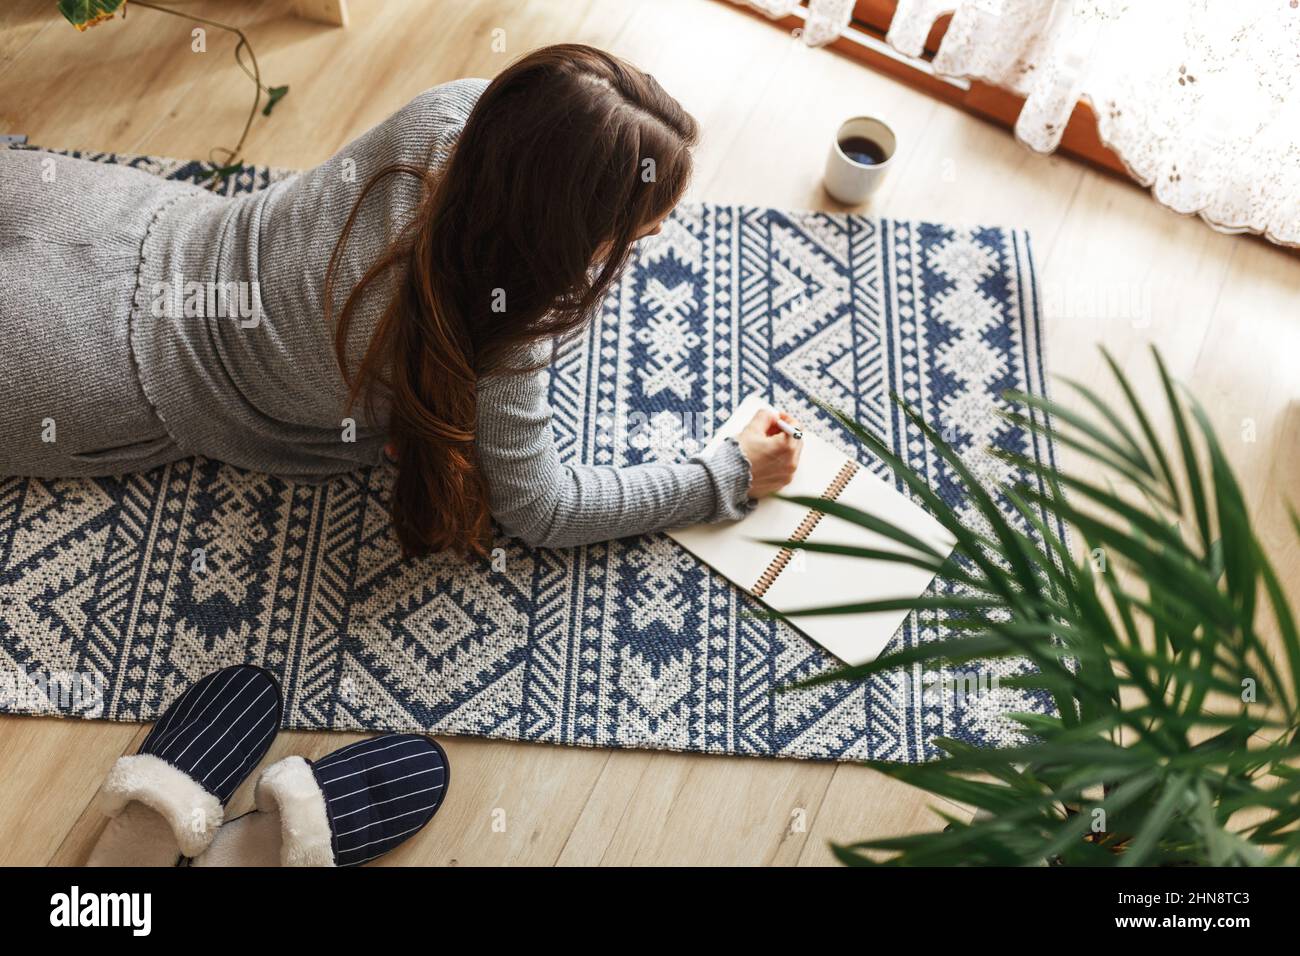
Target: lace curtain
(1199,98)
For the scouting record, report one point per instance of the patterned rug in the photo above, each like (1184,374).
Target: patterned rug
(626,644)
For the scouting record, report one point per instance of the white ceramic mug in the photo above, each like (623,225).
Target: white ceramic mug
(848,180)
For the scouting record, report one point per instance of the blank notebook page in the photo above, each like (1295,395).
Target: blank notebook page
(790,580)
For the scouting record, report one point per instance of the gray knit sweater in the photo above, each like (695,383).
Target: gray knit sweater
(100,337)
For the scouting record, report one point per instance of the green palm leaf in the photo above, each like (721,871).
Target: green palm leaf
(1171,713)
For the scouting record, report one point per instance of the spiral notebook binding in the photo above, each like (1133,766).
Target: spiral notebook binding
(806,526)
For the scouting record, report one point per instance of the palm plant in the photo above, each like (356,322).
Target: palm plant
(1176,731)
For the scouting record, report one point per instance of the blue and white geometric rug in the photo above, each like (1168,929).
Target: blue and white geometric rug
(627,644)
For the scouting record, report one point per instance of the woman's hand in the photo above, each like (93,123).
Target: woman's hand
(773,455)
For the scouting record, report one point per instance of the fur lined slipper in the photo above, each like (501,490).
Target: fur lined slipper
(167,801)
(343,810)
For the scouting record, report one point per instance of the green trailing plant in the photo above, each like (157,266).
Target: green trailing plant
(84,14)
(1176,737)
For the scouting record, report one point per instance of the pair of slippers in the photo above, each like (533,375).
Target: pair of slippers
(166,804)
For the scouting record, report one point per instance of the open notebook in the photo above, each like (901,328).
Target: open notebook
(788,579)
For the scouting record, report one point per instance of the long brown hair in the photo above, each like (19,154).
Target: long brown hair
(568,153)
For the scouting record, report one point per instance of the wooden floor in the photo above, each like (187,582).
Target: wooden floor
(1223,310)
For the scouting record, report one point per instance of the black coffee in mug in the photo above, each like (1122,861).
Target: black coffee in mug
(857,159)
(862,150)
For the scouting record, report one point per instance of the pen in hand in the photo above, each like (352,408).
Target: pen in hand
(788,428)
(772,456)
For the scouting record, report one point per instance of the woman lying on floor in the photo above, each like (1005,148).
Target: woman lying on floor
(415,282)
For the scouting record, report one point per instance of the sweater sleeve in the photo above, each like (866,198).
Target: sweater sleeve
(548,503)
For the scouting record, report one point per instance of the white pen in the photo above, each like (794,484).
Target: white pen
(788,428)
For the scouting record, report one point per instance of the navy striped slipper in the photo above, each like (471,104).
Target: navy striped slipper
(168,800)
(343,810)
